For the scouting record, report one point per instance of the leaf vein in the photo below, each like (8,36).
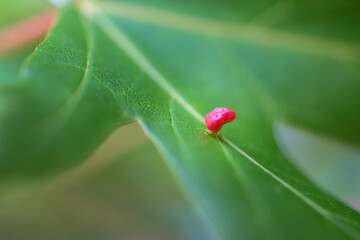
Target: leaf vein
(131,50)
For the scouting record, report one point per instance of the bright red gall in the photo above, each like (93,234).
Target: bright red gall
(216,119)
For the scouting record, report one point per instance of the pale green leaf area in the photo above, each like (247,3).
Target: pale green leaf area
(17,10)
(328,162)
(165,65)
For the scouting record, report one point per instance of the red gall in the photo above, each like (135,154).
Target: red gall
(216,119)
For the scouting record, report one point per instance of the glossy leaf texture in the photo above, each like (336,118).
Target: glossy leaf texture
(165,65)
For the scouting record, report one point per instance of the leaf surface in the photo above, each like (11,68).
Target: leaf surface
(166,65)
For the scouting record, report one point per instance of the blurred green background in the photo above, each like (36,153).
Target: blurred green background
(123,191)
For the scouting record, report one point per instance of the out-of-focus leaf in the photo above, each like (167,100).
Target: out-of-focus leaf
(165,65)
(128,197)
(332,164)
(12,11)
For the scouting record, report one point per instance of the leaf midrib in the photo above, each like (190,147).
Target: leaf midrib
(97,16)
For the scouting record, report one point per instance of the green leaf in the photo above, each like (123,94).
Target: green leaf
(165,65)
(121,191)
